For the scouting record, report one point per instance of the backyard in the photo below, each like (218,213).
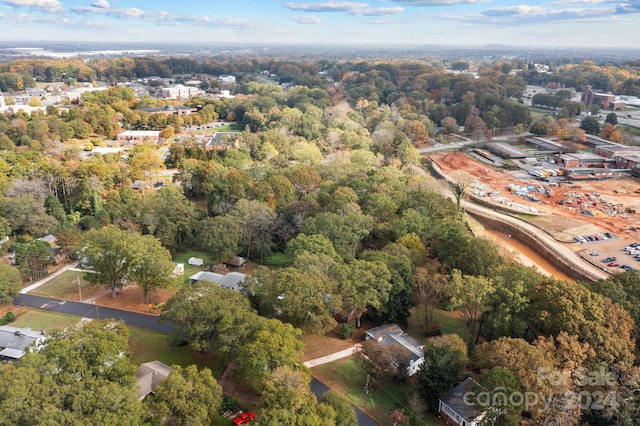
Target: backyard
(378,399)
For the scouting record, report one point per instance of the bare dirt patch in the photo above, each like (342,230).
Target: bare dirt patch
(579,208)
(131,298)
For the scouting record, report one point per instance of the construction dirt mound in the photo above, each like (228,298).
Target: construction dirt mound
(566,209)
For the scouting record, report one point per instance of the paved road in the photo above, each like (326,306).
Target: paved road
(319,389)
(134,319)
(87,310)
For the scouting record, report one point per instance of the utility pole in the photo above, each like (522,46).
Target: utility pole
(79,288)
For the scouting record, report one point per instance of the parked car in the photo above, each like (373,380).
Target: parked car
(594,253)
(609,259)
(243,418)
(613,264)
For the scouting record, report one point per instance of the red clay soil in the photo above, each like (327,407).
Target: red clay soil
(610,192)
(131,299)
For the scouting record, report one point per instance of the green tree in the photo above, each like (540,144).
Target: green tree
(256,221)
(314,244)
(218,236)
(461,182)
(301,300)
(187,397)
(471,295)
(210,316)
(26,214)
(170,217)
(33,257)
(82,375)
(111,252)
(345,415)
(288,399)
(437,374)
(345,230)
(145,161)
(612,118)
(363,285)
(590,125)
(10,283)
(152,266)
(272,344)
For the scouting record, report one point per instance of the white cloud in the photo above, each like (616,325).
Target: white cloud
(353,8)
(103,4)
(306,19)
(380,11)
(437,2)
(328,6)
(46,5)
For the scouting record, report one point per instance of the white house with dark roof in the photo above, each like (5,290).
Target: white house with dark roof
(457,409)
(231,281)
(388,335)
(14,341)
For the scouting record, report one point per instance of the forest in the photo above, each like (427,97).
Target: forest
(328,193)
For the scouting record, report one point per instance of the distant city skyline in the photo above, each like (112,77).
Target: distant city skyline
(570,23)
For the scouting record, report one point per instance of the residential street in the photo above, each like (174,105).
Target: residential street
(148,322)
(91,311)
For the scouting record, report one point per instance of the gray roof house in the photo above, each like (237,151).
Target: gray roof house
(14,341)
(388,335)
(149,376)
(232,280)
(456,409)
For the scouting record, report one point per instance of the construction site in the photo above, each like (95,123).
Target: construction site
(596,215)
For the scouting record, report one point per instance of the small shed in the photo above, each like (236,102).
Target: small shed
(236,262)
(195,261)
(178,270)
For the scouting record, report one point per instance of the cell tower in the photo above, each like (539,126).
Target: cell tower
(528,56)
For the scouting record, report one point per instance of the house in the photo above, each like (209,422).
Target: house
(149,376)
(49,239)
(455,407)
(14,341)
(230,281)
(389,335)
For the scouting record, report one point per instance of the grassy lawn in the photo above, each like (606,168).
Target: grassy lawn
(233,127)
(538,113)
(43,320)
(449,322)
(346,377)
(145,346)
(189,269)
(65,286)
(453,322)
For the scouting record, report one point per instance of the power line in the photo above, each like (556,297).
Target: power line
(399,402)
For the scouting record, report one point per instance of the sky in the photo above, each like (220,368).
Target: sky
(554,23)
